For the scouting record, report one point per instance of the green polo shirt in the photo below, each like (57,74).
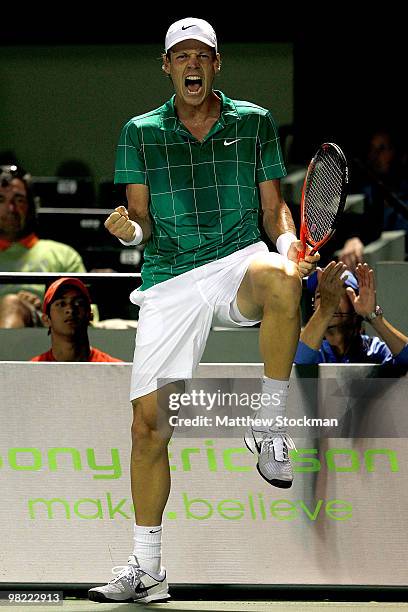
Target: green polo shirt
(204,199)
(44,256)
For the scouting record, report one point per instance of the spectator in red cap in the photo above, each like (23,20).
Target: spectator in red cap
(67,314)
(21,250)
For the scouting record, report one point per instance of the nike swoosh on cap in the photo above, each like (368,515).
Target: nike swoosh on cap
(186,27)
(227,143)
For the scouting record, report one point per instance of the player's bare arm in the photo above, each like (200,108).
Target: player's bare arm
(138,197)
(277,220)
(119,223)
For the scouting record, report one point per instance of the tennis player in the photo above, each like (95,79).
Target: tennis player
(196,170)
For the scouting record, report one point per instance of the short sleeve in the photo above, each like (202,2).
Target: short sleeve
(130,165)
(72,261)
(270,163)
(306,355)
(402,357)
(378,351)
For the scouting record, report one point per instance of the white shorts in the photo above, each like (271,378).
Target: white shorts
(176,316)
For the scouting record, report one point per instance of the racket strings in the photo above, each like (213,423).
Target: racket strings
(323,195)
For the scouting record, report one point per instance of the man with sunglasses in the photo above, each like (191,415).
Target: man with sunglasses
(334,333)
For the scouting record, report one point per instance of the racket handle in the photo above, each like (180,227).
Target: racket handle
(302,238)
(304,252)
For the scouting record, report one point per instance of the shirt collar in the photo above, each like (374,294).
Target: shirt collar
(28,242)
(170,121)
(354,354)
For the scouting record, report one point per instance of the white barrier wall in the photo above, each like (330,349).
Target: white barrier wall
(66,509)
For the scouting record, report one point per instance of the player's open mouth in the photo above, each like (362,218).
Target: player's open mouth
(193,84)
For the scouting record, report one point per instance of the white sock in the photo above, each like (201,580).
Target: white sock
(278,391)
(147,547)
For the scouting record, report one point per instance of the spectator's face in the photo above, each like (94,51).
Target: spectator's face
(343,320)
(381,154)
(70,313)
(13,209)
(344,315)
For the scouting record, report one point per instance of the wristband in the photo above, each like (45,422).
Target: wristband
(284,241)
(137,237)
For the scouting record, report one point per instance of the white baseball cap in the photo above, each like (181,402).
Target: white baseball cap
(184,29)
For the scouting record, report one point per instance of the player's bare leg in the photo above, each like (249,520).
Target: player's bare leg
(271,291)
(149,465)
(150,471)
(144,578)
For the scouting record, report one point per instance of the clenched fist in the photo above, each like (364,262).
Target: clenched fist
(119,224)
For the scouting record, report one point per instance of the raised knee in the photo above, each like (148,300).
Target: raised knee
(291,282)
(279,284)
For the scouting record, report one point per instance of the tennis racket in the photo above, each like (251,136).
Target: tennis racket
(323,197)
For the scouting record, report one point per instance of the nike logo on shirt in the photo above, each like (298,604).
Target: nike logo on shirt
(227,143)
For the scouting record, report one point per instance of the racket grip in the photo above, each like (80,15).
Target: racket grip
(305,251)
(302,253)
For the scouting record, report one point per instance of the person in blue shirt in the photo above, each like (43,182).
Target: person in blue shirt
(334,332)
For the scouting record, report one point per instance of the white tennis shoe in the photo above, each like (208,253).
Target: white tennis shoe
(132,584)
(272,447)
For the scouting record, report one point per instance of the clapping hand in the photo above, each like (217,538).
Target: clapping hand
(331,286)
(365,302)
